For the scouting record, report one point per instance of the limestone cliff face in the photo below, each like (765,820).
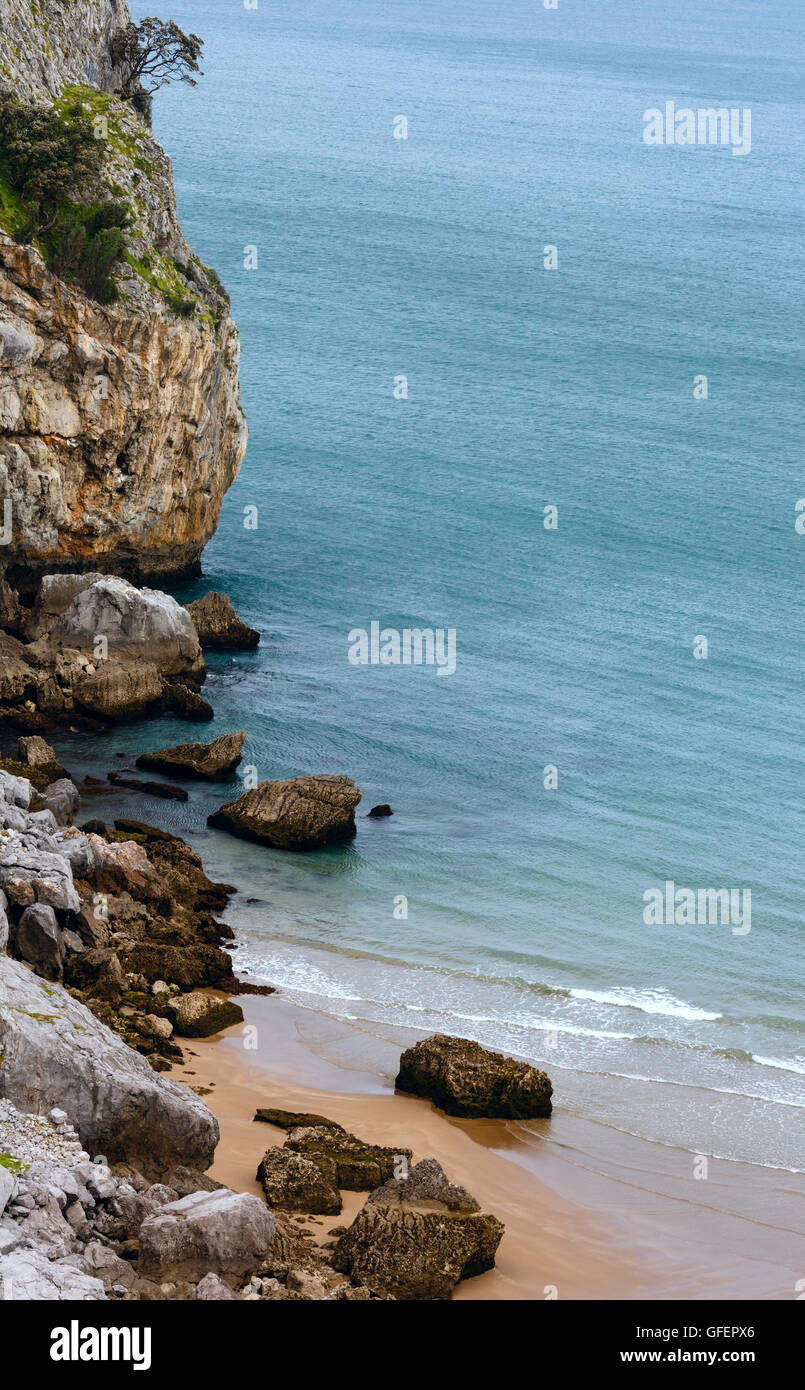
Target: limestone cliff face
(120,424)
(46,43)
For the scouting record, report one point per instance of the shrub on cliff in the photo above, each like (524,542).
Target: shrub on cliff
(43,153)
(85,243)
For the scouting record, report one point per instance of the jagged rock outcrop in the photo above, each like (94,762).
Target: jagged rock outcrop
(211,762)
(120,424)
(465,1079)
(302,813)
(418,1236)
(218,625)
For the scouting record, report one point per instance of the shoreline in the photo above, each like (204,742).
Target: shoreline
(587,1234)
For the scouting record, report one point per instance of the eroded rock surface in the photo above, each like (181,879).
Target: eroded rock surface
(418,1236)
(300,814)
(292,1182)
(210,762)
(218,626)
(468,1080)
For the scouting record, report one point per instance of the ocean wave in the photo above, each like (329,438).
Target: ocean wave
(795,1064)
(648,1001)
(698,1085)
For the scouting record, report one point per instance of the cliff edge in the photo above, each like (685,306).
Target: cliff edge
(120,422)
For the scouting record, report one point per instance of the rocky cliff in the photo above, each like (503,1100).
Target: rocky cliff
(120,423)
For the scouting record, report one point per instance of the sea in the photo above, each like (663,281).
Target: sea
(511,371)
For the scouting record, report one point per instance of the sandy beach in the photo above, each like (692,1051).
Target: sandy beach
(572,1230)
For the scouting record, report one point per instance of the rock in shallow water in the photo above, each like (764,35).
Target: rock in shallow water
(299,814)
(209,761)
(218,625)
(468,1080)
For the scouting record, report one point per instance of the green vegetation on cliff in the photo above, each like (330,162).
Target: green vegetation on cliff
(45,150)
(80,180)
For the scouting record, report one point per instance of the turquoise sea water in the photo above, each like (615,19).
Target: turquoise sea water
(424,257)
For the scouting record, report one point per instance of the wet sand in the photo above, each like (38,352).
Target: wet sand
(573,1229)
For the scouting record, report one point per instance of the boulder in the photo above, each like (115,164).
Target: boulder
(98,972)
(37,875)
(218,625)
(77,849)
(52,1046)
(417,1237)
(292,1182)
(38,940)
(211,762)
(224,1233)
(19,682)
(344,1160)
(300,814)
(186,703)
(138,625)
(56,593)
(199,1015)
(16,791)
(379,812)
(118,691)
(33,752)
(123,867)
(102,1263)
(462,1078)
(61,798)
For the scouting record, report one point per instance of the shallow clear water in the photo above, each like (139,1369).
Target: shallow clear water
(575,647)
